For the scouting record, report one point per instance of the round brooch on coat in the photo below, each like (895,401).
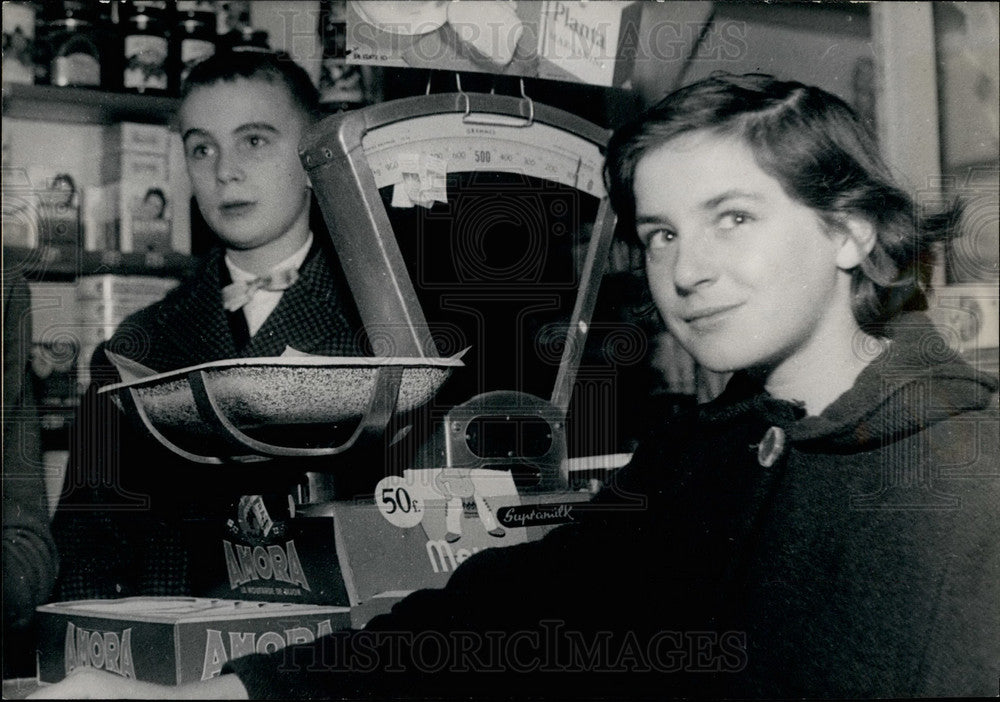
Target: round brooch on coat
(771,447)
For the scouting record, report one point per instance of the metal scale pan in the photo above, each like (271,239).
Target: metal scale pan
(251,409)
(480,221)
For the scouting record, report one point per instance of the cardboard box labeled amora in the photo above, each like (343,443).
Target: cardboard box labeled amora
(171,640)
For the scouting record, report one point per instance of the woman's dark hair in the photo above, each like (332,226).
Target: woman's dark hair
(815,146)
(269,66)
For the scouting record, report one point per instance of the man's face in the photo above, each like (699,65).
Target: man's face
(241,146)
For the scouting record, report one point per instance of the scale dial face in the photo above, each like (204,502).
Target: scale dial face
(495,257)
(540,151)
(479,222)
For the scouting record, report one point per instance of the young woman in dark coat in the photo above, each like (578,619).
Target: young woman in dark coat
(828,526)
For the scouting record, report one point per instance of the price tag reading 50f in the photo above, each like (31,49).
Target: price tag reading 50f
(397,503)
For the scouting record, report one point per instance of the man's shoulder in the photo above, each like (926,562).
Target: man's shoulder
(153,315)
(145,331)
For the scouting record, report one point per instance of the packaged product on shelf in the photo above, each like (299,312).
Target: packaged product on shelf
(46,210)
(593,43)
(134,212)
(143,176)
(134,137)
(150,221)
(60,210)
(138,217)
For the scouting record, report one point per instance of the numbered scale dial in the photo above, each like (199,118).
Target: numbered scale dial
(540,151)
(471,221)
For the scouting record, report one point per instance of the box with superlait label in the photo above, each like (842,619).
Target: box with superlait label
(171,640)
(419,527)
(369,552)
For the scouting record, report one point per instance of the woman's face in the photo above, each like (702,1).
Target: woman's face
(744,276)
(241,145)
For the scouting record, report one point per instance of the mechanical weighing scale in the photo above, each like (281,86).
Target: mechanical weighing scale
(508,208)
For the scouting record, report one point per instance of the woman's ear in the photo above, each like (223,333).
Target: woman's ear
(858,241)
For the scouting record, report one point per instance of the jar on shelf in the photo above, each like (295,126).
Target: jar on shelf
(245,39)
(145,43)
(19,42)
(76,54)
(193,37)
(69,50)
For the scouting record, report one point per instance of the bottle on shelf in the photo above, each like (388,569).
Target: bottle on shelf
(145,45)
(193,37)
(19,20)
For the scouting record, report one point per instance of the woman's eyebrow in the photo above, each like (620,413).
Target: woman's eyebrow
(707,205)
(734,194)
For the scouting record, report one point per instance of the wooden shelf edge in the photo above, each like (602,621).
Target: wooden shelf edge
(84,106)
(61,262)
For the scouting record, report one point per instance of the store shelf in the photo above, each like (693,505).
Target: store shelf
(66,262)
(83,106)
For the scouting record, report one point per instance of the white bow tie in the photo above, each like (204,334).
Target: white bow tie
(236,295)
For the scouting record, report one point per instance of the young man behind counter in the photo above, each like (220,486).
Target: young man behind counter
(270,284)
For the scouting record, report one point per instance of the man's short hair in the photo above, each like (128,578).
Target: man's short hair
(269,66)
